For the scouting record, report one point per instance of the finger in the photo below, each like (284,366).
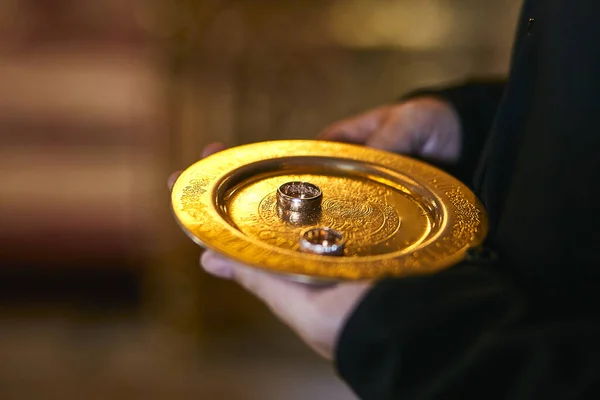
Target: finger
(394,136)
(282,296)
(316,315)
(213,148)
(216,265)
(354,130)
(172,178)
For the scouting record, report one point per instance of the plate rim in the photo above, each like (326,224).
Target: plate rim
(247,250)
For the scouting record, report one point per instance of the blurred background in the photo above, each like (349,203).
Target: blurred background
(101,295)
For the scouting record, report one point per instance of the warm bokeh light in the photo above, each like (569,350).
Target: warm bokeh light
(100,291)
(411,24)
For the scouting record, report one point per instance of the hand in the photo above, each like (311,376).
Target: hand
(316,314)
(426,126)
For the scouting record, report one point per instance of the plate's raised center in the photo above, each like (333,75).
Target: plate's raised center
(375,218)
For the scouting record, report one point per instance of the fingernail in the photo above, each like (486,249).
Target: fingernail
(219,271)
(215,265)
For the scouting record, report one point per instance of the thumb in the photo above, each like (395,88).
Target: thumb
(282,296)
(356,129)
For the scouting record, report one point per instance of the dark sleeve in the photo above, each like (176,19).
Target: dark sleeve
(467,333)
(476,103)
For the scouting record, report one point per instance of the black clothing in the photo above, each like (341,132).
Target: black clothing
(527,325)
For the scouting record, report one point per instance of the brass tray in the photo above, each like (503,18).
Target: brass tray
(398,216)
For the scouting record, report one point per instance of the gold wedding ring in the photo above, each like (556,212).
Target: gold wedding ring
(299,197)
(299,203)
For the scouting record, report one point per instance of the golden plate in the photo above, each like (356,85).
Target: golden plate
(399,216)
